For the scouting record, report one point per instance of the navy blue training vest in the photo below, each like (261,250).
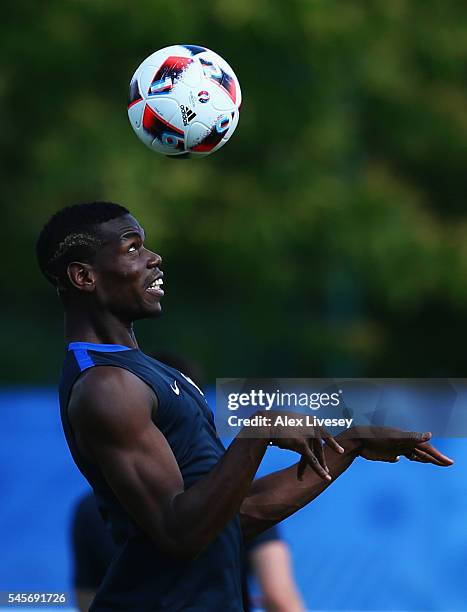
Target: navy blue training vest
(141,576)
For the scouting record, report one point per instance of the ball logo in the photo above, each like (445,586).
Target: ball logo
(187,114)
(203,96)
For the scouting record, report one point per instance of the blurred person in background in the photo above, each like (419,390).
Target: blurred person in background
(92,550)
(267,559)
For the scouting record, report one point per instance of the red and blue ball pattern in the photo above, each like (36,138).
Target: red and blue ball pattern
(184,100)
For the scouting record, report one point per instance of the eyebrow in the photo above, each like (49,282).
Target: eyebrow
(132,234)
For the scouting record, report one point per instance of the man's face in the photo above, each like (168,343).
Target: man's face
(128,278)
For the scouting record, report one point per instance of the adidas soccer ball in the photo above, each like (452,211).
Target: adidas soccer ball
(184,100)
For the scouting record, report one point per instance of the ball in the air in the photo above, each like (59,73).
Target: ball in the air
(184,100)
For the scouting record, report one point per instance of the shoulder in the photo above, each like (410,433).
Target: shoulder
(103,384)
(110,398)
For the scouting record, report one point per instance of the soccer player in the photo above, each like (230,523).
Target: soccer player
(178,504)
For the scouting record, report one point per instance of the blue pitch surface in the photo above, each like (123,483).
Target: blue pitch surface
(383,537)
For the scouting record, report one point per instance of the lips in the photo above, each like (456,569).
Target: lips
(155,285)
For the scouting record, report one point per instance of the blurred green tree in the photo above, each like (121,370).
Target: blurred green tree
(327,238)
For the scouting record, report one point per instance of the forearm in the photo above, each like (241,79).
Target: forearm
(276,496)
(199,513)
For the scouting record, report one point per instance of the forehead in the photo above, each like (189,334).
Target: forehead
(115,230)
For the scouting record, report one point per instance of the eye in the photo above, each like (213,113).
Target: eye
(132,248)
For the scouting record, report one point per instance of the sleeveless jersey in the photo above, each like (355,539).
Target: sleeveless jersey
(142,577)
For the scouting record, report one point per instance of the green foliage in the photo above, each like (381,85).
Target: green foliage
(328,237)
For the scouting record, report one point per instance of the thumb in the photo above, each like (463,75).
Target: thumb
(426,436)
(417,436)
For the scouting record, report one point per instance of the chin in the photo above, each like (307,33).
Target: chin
(150,313)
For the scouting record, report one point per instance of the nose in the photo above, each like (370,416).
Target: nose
(154,260)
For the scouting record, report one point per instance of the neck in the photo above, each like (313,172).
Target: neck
(98,327)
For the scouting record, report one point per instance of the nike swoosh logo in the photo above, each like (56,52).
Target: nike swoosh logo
(175,388)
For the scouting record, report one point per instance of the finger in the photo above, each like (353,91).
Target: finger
(313,462)
(422,437)
(408,437)
(301,467)
(434,457)
(422,457)
(435,453)
(415,457)
(318,449)
(331,442)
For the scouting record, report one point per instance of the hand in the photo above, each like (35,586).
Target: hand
(305,440)
(388,444)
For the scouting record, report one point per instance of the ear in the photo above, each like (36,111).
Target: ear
(81,276)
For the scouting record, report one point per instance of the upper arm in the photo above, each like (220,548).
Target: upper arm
(110,413)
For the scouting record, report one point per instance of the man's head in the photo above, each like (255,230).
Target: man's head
(95,252)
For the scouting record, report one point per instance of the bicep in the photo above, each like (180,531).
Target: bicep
(118,435)
(144,476)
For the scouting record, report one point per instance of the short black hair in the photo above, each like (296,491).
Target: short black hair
(73,234)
